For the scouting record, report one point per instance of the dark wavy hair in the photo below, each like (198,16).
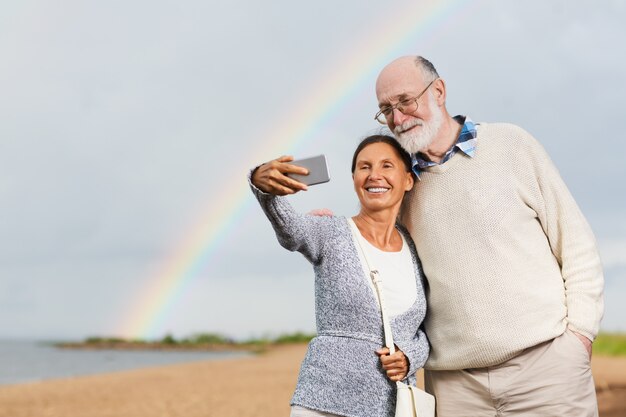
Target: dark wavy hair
(389,140)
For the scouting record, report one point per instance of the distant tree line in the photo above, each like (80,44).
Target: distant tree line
(205,339)
(606,344)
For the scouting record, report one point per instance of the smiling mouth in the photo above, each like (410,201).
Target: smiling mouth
(377,190)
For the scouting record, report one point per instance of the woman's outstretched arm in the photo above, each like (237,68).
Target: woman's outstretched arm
(295,231)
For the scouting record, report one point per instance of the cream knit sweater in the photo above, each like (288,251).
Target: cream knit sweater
(510,259)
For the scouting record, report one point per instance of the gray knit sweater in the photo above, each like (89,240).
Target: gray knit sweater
(341,374)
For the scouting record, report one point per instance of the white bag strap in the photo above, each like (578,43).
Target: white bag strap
(377,280)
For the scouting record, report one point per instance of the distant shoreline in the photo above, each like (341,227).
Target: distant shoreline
(205,342)
(158,346)
(32,361)
(606,344)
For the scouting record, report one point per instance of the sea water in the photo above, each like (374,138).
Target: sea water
(29,361)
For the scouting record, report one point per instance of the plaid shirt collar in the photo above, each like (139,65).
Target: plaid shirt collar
(466,143)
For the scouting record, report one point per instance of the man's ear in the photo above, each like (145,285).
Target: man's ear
(440,91)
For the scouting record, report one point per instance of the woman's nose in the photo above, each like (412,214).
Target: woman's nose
(375,173)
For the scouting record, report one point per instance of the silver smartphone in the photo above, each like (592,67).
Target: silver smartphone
(318,170)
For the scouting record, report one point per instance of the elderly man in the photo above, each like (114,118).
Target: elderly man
(515,280)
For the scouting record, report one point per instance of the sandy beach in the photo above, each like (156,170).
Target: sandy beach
(258,386)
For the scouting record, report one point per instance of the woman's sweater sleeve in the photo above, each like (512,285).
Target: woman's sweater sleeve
(295,231)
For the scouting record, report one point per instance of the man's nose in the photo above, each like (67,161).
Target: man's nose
(398,117)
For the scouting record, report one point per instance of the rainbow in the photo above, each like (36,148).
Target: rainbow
(396,35)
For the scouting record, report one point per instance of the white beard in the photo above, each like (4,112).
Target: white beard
(419,139)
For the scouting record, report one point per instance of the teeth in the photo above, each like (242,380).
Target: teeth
(377,190)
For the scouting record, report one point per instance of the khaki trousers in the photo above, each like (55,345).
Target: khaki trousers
(550,379)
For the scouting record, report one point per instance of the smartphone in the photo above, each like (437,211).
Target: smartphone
(318,170)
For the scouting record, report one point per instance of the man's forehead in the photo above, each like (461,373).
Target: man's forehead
(397,82)
(396,92)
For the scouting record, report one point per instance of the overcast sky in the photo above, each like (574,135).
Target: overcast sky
(123,122)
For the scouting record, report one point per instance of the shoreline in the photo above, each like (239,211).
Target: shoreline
(149,347)
(258,385)
(209,342)
(23,362)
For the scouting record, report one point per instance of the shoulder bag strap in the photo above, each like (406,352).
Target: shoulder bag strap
(377,280)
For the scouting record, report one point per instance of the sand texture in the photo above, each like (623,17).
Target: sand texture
(258,386)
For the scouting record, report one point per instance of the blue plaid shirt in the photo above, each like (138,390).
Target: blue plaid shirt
(466,143)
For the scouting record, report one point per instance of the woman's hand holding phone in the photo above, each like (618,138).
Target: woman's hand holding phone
(284,175)
(272,178)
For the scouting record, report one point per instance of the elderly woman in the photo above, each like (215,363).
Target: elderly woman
(346,371)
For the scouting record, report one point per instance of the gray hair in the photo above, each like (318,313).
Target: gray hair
(427,68)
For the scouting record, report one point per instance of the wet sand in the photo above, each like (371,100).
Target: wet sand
(258,386)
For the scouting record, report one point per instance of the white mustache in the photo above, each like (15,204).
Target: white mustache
(407,125)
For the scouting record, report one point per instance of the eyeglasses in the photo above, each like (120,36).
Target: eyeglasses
(406,106)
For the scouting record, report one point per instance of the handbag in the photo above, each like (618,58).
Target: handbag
(410,400)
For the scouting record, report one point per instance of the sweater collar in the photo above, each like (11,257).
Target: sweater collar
(466,143)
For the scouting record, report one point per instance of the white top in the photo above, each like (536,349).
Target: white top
(397,274)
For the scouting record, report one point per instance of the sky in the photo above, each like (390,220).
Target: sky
(127,129)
